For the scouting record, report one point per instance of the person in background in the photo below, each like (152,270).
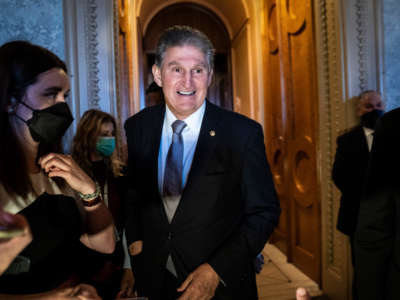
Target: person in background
(377,237)
(61,203)
(350,165)
(94,149)
(154,95)
(202,203)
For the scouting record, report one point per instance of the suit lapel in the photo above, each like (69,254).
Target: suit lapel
(151,147)
(153,134)
(206,143)
(363,141)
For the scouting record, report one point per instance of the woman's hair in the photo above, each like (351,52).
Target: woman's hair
(87,134)
(20,65)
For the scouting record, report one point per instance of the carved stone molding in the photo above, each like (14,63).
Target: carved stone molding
(362,43)
(92,53)
(362,26)
(334,250)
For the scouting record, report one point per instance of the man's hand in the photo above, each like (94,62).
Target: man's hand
(200,284)
(135,248)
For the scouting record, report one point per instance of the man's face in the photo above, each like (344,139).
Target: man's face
(184,77)
(370,102)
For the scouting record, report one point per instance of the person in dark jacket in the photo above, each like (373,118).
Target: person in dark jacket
(351,163)
(202,202)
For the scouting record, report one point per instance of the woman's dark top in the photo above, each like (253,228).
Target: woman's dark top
(104,271)
(48,261)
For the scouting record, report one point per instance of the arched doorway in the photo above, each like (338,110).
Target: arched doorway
(244,55)
(199,17)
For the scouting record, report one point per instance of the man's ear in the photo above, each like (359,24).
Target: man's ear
(157,75)
(12,105)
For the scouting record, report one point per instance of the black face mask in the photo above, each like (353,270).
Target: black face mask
(369,119)
(49,125)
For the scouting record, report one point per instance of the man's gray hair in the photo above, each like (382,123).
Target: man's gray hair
(178,36)
(367,92)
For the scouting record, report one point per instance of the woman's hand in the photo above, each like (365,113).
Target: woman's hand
(99,229)
(11,247)
(79,292)
(85,292)
(61,165)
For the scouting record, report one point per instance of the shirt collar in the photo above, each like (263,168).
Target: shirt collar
(193,122)
(367,130)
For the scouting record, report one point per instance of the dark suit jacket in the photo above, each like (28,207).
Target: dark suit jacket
(377,239)
(227,211)
(349,172)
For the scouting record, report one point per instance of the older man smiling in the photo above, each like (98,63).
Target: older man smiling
(202,202)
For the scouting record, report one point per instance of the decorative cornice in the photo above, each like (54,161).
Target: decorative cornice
(92,53)
(362,41)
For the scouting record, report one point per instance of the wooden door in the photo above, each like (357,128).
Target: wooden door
(123,72)
(291,118)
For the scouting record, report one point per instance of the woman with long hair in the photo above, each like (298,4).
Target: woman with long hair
(61,203)
(96,149)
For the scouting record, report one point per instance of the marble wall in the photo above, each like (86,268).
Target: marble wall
(38,21)
(391,12)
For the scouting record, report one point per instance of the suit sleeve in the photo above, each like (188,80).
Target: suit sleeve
(348,173)
(132,203)
(340,171)
(374,239)
(261,214)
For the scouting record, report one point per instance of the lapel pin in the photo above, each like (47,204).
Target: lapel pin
(212,132)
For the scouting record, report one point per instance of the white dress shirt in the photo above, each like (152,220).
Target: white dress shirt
(369,135)
(190,135)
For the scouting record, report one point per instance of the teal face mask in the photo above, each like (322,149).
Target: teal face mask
(105,145)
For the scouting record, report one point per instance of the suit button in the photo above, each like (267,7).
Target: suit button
(170,235)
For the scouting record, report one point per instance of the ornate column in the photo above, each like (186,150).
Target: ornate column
(349,58)
(335,251)
(363,48)
(89,39)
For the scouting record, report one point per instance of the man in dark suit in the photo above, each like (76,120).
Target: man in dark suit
(351,162)
(202,202)
(377,238)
